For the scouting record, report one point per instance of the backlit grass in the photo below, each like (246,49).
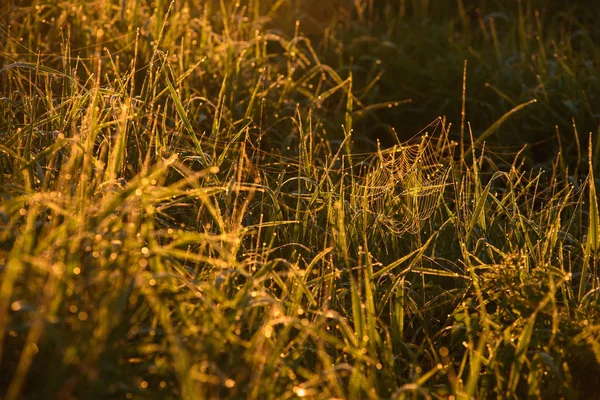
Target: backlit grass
(199,200)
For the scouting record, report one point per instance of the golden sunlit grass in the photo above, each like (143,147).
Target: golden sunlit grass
(197,202)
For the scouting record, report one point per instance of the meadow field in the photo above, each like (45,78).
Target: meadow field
(278,199)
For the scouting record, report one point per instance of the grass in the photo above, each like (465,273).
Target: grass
(198,201)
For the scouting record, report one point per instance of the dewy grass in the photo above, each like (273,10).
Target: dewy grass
(195,205)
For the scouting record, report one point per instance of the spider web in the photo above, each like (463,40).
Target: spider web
(397,188)
(402,184)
